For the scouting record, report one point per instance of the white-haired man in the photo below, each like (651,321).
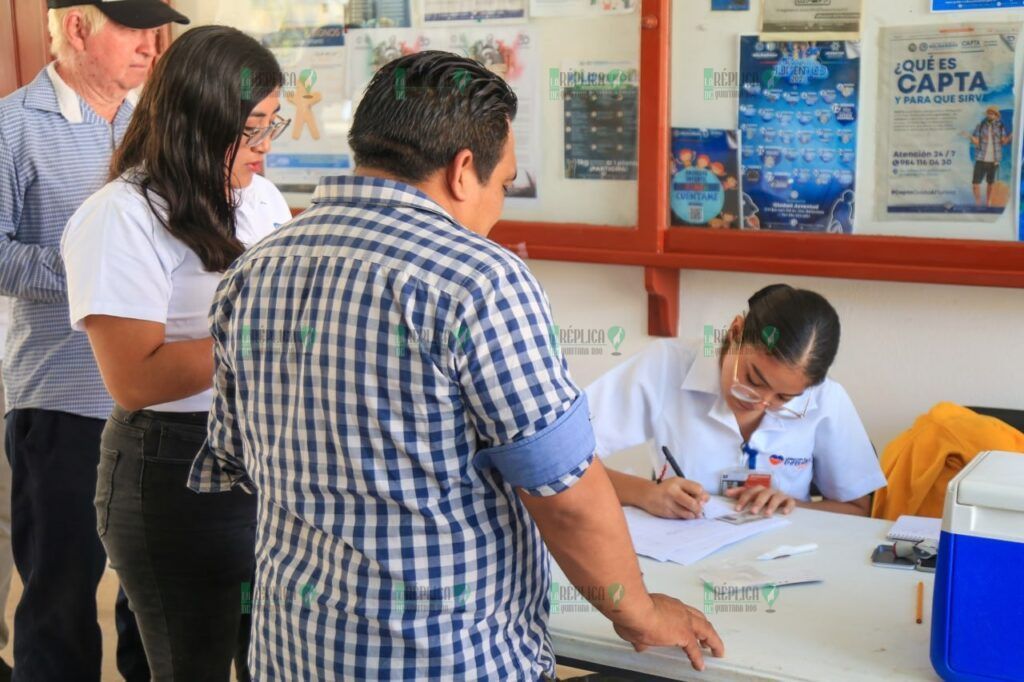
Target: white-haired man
(56,137)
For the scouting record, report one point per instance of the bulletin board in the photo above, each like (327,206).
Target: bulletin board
(552,48)
(625,220)
(702,39)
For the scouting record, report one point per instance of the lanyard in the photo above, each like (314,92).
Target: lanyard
(751,454)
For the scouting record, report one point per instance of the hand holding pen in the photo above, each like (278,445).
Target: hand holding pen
(676,497)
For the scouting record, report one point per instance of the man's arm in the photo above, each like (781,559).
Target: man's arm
(27,271)
(534,426)
(586,532)
(219,465)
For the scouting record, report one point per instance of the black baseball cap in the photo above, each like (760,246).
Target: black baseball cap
(130,13)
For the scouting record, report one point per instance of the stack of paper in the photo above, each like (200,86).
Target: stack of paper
(915,529)
(685,542)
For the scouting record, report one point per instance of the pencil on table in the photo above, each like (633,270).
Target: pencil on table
(920,602)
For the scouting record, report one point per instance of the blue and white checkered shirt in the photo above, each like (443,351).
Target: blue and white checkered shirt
(385,380)
(54,153)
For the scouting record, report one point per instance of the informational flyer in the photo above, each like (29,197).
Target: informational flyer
(512,53)
(730,5)
(600,113)
(315,98)
(370,49)
(509,51)
(798,119)
(826,18)
(562,8)
(967,5)
(946,122)
(448,11)
(704,188)
(378,14)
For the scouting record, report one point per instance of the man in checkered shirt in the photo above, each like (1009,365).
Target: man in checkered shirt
(385,381)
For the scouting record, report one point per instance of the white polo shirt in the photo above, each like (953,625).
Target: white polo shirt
(670,394)
(120,261)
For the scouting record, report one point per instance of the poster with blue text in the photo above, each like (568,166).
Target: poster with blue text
(314,97)
(946,122)
(967,5)
(704,187)
(730,5)
(798,125)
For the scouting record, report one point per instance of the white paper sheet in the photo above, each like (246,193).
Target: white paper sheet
(686,542)
(740,576)
(915,528)
(312,61)
(449,11)
(561,8)
(508,50)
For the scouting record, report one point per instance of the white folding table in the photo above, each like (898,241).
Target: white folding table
(858,624)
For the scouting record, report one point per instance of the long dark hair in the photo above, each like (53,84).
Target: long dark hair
(422,109)
(796,326)
(182,139)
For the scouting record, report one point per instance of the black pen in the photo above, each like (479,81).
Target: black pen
(675,467)
(672,461)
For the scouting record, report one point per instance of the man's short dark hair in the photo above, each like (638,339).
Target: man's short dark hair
(420,110)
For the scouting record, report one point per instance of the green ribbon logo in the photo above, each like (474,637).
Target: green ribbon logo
(616,591)
(308,78)
(616,335)
(770,593)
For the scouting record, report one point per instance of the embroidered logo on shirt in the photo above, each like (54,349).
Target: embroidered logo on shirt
(795,462)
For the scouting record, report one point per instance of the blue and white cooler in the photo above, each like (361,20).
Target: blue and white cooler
(978,608)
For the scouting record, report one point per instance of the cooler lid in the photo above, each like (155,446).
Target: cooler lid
(996,482)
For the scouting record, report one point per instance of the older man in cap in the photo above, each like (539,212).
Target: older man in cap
(56,137)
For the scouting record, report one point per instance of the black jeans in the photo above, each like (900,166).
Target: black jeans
(185,559)
(53,458)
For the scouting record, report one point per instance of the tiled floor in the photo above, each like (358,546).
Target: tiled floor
(105,604)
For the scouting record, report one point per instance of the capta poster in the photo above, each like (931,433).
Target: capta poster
(946,122)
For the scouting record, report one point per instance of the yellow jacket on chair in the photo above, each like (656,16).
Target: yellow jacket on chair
(920,462)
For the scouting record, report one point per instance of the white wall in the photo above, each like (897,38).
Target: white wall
(904,347)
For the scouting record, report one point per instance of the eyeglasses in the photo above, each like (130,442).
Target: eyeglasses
(254,137)
(751,396)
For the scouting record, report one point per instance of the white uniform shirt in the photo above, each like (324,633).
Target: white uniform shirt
(120,261)
(670,393)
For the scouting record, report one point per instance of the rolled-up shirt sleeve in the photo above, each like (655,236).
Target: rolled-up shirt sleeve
(531,420)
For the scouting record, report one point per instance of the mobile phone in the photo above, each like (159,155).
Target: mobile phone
(885,557)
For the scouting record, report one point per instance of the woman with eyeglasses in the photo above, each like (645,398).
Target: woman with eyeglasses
(755,419)
(143,257)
